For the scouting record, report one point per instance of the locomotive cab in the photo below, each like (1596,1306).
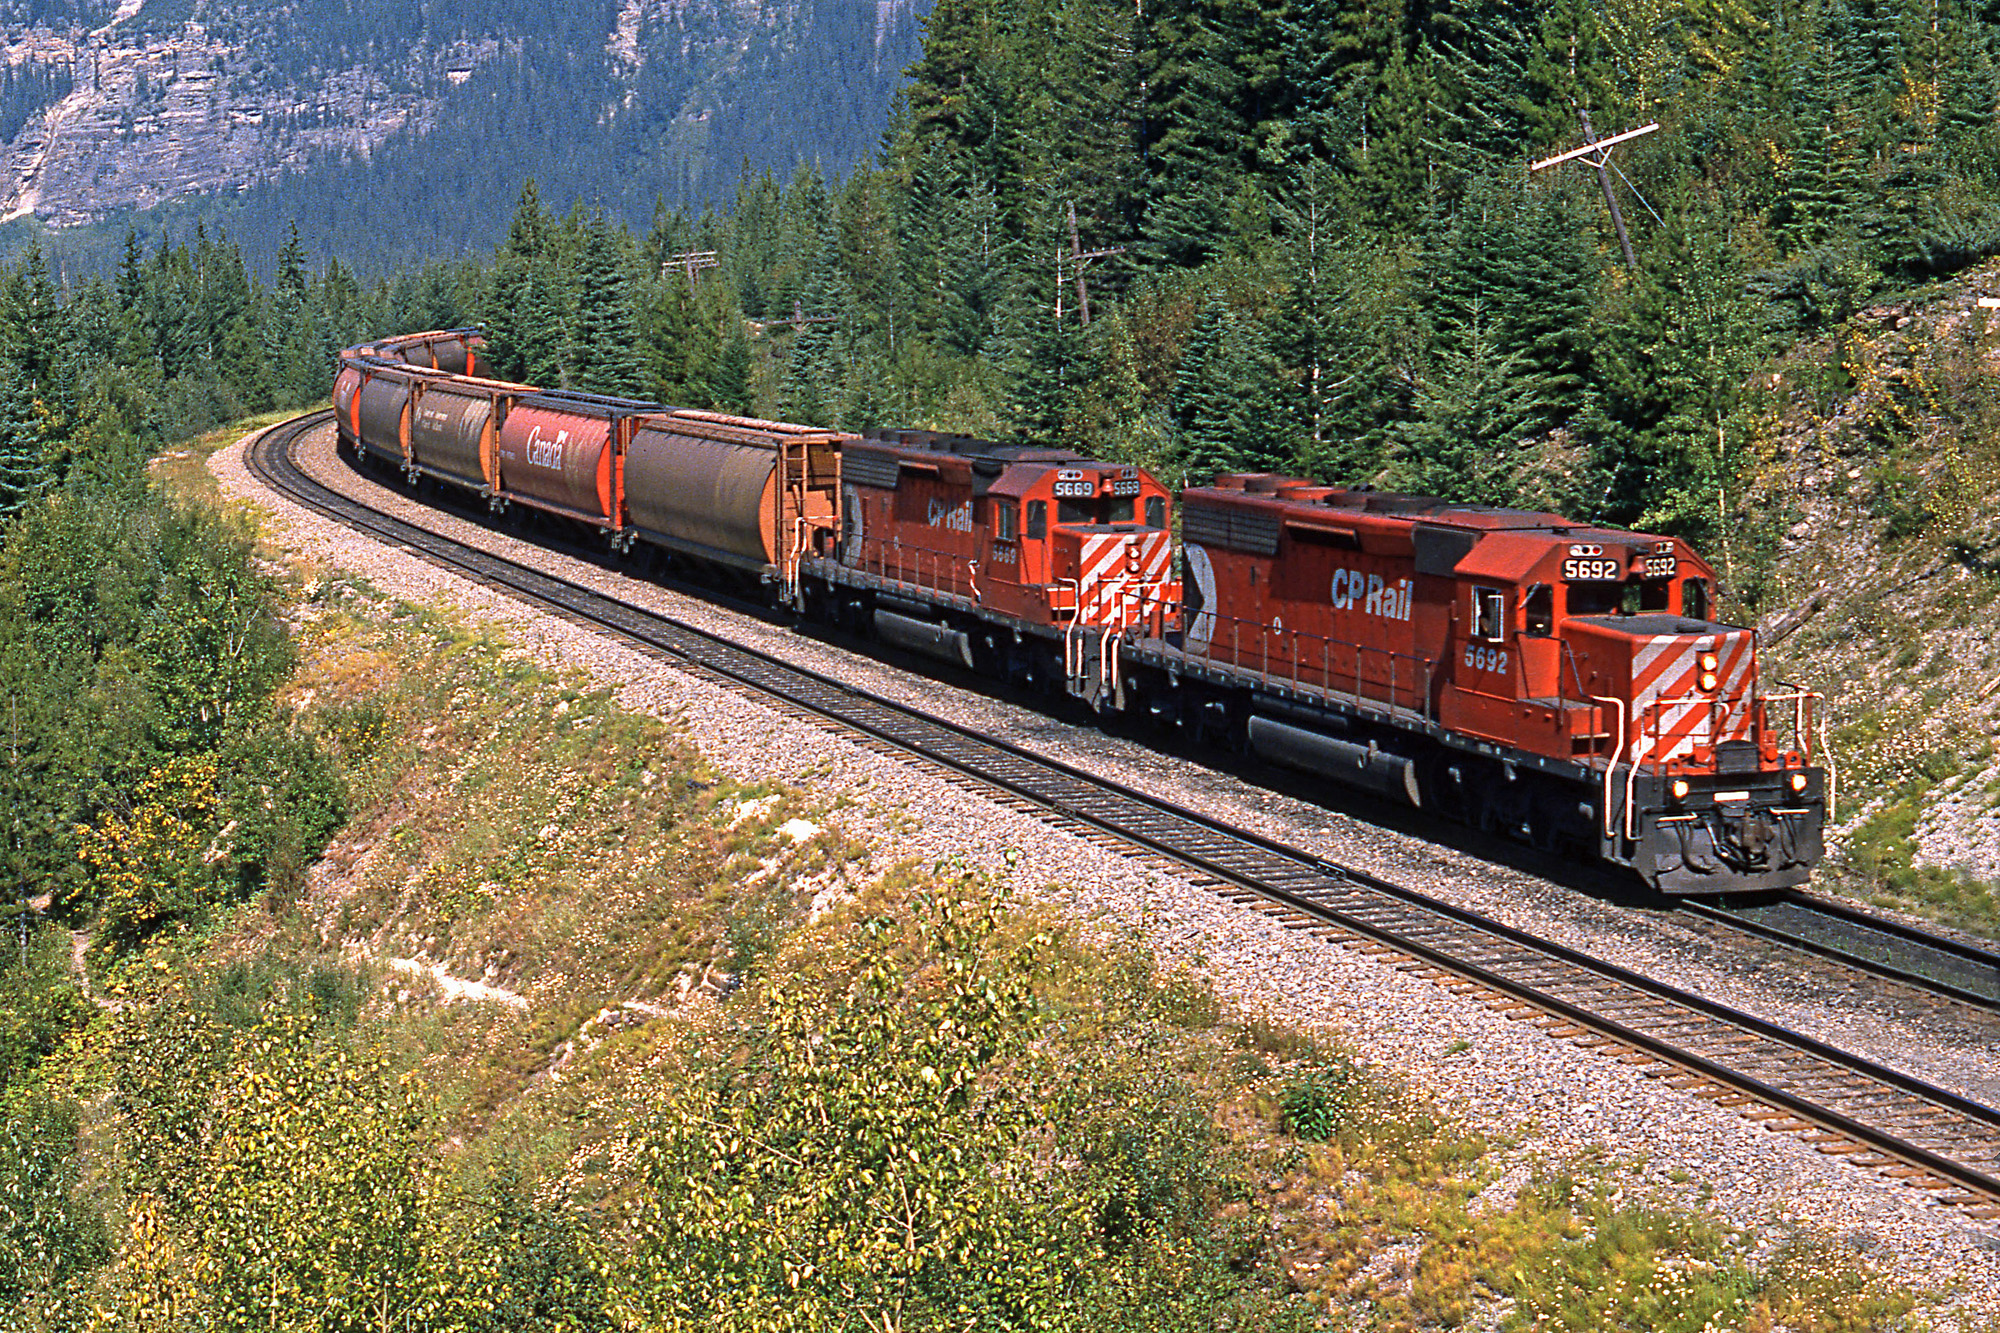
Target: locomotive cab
(1597,646)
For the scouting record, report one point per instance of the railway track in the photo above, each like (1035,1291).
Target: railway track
(1873,1116)
(1952,968)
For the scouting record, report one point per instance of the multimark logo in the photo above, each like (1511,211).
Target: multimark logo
(1391,601)
(956,518)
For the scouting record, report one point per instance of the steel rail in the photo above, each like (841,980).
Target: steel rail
(1872,944)
(1949,1139)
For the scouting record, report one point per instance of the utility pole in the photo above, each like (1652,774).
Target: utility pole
(1078,257)
(1597,153)
(800,318)
(694,261)
(1610,198)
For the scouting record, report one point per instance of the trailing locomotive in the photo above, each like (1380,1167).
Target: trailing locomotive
(1553,681)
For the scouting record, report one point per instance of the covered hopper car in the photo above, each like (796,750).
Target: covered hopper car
(1553,681)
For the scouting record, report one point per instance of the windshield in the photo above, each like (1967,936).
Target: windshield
(1106,509)
(1616,599)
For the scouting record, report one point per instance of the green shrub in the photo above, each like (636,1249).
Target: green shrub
(286,800)
(1313,1107)
(40,1002)
(48,1235)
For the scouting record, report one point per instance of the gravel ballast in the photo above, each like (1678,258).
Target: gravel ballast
(1506,1079)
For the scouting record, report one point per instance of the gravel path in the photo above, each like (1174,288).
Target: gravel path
(1504,1078)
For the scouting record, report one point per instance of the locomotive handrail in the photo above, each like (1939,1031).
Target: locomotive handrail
(1808,718)
(1804,716)
(1300,676)
(1632,782)
(1611,766)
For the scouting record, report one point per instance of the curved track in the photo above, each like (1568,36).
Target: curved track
(1842,1104)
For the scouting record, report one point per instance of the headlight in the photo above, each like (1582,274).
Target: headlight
(1680,789)
(1708,661)
(1708,680)
(1798,782)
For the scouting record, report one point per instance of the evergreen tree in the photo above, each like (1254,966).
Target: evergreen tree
(1825,184)
(24,468)
(1480,56)
(520,317)
(1225,400)
(131,273)
(604,341)
(33,319)
(1472,413)
(1676,366)
(1520,256)
(540,337)
(729,383)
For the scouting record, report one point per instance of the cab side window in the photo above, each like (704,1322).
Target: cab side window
(1003,521)
(1489,613)
(1694,599)
(1038,519)
(1538,610)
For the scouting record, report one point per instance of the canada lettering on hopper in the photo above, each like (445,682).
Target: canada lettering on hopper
(546,452)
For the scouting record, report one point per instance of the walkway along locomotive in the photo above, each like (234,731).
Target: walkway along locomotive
(1554,681)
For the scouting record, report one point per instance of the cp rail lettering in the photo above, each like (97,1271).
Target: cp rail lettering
(1376,595)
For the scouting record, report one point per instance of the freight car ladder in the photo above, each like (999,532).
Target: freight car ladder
(807,498)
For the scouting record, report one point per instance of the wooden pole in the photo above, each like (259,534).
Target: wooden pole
(1610,196)
(1076,255)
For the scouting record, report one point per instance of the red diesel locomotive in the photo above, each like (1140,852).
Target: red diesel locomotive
(1554,681)
(1029,564)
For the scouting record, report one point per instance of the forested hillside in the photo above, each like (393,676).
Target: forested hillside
(617,103)
(415,124)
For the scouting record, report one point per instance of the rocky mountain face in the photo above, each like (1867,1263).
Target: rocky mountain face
(170,98)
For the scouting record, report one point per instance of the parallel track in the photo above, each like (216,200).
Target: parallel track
(1944,966)
(1844,1105)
